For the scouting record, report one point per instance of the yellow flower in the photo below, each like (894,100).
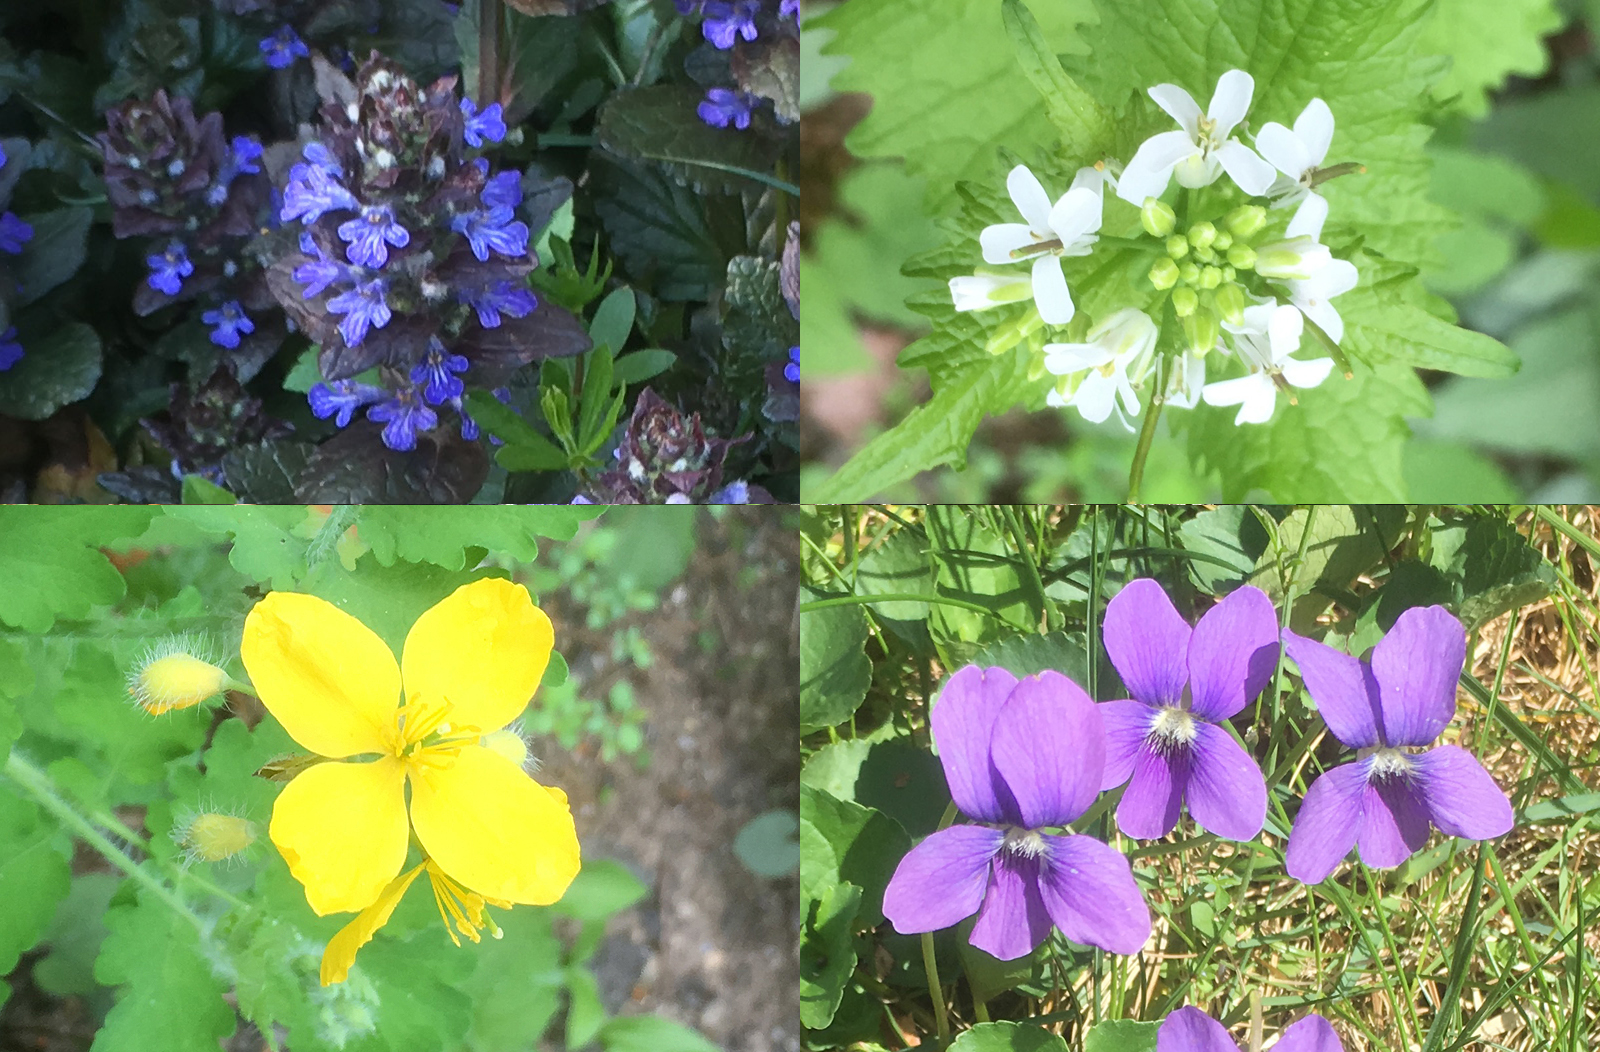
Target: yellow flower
(469,666)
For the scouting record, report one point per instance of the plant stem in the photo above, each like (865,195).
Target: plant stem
(491,14)
(931,966)
(1147,434)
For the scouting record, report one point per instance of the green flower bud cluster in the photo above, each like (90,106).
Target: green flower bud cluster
(1201,266)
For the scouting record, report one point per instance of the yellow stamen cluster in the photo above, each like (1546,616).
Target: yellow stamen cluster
(460,908)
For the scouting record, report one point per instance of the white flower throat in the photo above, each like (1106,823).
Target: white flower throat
(1028,843)
(1174,728)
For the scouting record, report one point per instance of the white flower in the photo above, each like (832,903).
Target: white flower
(1269,335)
(1050,232)
(1298,154)
(1312,294)
(1186,381)
(1293,260)
(982,291)
(1203,149)
(1117,355)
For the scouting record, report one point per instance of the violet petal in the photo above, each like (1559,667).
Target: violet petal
(1013,921)
(1463,800)
(1394,822)
(1232,653)
(1416,666)
(963,722)
(941,881)
(1227,794)
(1148,642)
(1089,891)
(1311,1034)
(1154,798)
(1191,1030)
(1342,687)
(1049,746)
(1325,829)
(1127,725)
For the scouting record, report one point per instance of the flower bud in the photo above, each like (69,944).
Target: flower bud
(1242,256)
(1210,277)
(1157,217)
(1223,242)
(1295,259)
(212,837)
(1177,246)
(982,291)
(1228,273)
(171,676)
(1184,301)
(1246,220)
(1190,272)
(1202,331)
(1202,234)
(1164,273)
(1230,303)
(1206,254)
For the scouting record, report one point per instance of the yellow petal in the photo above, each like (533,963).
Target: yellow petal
(493,829)
(341,951)
(327,677)
(483,648)
(342,829)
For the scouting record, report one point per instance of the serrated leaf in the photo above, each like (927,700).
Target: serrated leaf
(170,998)
(55,370)
(834,670)
(266,544)
(662,231)
(756,322)
(264,473)
(659,124)
(1487,40)
(1084,124)
(442,535)
(51,563)
(355,467)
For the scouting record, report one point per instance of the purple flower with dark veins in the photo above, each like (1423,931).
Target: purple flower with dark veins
(1020,757)
(231,321)
(367,234)
(1186,683)
(168,269)
(469,426)
(14,233)
(403,416)
(436,373)
(724,106)
(312,190)
(1387,709)
(503,297)
(493,228)
(10,349)
(481,125)
(1191,1030)
(321,271)
(281,49)
(341,399)
(502,191)
(323,158)
(726,20)
(364,307)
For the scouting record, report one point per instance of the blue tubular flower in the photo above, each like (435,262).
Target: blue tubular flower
(487,124)
(502,297)
(436,374)
(789,9)
(341,399)
(367,234)
(469,426)
(281,49)
(10,349)
(364,307)
(791,371)
(14,233)
(503,191)
(403,416)
(727,20)
(723,106)
(732,493)
(231,321)
(2,156)
(241,159)
(312,191)
(323,158)
(168,269)
(492,229)
(321,271)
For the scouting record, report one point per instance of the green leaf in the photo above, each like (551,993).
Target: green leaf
(170,998)
(1084,124)
(1499,571)
(443,535)
(265,545)
(973,564)
(1441,472)
(640,366)
(666,234)
(659,124)
(55,370)
(867,845)
(56,251)
(1487,40)
(197,490)
(1230,532)
(1563,807)
(1121,1035)
(75,937)
(264,473)
(516,984)
(585,1014)
(1008,1037)
(1344,542)
(52,565)
(613,320)
(602,888)
(525,449)
(1533,131)
(649,1033)
(767,846)
(835,767)
(1381,326)
(827,953)
(834,670)
(35,874)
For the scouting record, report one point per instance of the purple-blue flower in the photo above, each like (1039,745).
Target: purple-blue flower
(403,416)
(231,324)
(243,153)
(1019,756)
(364,307)
(687,8)
(14,233)
(481,125)
(724,106)
(1398,701)
(367,234)
(1191,1030)
(323,158)
(503,297)
(1186,683)
(283,47)
(10,349)
(726,20)
(341,399)
(436,373)
(493,228)
(313,190)
(503,191)
(732,493)
(321,271)
(168,269)
(791,369)
(789,9)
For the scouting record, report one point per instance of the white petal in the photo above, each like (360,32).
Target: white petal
(1050,293)
(1284,330)
(1064,359)
(1090,178)
(1130,401)
(1336,277)
(975,291)
(1184,386)
(1000,240)
(1150,170)
(1180,105)
(1327,318)
(1095,397)
(1307,374)
(1253,394)
(1053,398)
(1076,214)
(1029,197)
(1197,170)
(1256,318)
(1285,192)
(1314,126)
(1250,172)
(1284,149)
(1231,101)
(1309,219)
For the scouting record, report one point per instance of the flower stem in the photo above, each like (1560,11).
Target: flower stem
(1147,434)
(931,966)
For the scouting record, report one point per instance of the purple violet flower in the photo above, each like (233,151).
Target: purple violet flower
(281,49)
(503,297)
(1019,757)
(728,19)
(1191,1030)
(312,190)
(364,307)
(732,493)
(230,321)
(367,234)
(791,369)
(403,416)
(168,269)
(503,191)
(14,233)
(481,125)
(10,349)
(492,229)
(436,373)
(341,399)
(1386,800)
(321,271)
(724,106)
(1186,683)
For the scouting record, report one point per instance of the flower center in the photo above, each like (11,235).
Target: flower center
(1390,764)
(1173,728)
(424,738)
(1025,842)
